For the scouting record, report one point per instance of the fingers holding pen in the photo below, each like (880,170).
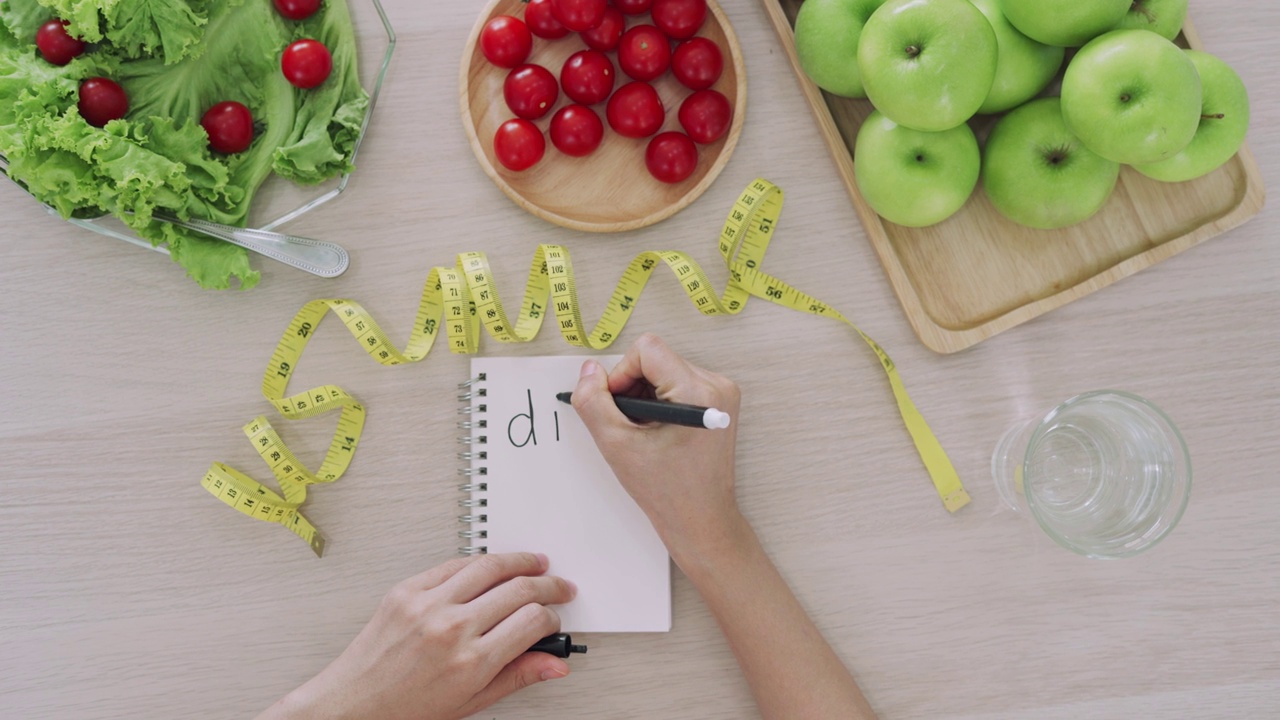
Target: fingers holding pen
(595,405)
(507,641)
(651,362)
(525,670)
(606,403)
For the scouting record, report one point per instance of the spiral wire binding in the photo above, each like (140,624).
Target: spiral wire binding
(471,469)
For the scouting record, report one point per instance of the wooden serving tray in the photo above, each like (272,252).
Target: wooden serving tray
(976,274)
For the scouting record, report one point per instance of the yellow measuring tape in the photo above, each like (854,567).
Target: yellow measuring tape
(465,297)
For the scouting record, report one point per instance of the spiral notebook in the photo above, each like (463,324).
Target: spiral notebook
(537,483)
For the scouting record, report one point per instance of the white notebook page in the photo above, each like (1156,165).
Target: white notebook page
(550,491)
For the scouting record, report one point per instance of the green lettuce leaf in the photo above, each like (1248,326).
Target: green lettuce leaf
(173,28)
(84,17)
(156,160)
(329,117)
(23,18)
(129,168)
(247,71)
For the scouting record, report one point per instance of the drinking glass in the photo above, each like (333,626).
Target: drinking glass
(1105,474)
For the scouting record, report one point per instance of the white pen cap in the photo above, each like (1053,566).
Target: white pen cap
(713,419)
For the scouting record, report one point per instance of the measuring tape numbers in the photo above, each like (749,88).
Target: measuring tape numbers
(456,302)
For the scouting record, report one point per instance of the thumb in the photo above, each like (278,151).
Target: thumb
(530,668)
(592,399)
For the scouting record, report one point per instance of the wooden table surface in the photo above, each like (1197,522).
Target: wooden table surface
(127,591)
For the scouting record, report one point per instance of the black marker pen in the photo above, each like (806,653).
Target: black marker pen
(643,410)
(560,645)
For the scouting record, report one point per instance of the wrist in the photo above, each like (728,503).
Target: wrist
(712,544)
(298,703)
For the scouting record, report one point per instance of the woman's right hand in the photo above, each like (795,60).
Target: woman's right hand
(683,478)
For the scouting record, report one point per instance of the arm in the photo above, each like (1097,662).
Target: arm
(442,645)
(683,479)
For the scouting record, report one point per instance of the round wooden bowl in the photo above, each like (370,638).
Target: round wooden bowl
(609,190)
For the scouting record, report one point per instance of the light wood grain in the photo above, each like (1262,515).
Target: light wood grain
(126,591)
(978,273)
(609,190)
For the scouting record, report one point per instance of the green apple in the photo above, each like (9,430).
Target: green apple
(1037,173)
(927,64)
(911,177)
(1162,17)
(1023,66)
(1132,97)
(827,33)
(1068,23)
(1224,120)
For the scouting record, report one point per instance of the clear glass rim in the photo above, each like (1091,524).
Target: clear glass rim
(1172,429)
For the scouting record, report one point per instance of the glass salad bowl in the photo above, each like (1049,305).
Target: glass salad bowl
(279,200)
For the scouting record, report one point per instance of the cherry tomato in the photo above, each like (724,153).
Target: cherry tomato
(102,101)
(537,14)
(633,7)
(576,130)
(671,157)
(530,91)
(506,41)
(697,63)
(606,35)
(306,63)
(705,115)
(230,127)
(519,144)
(56,44)
(579,15)
(297,9)
(679,19)
(644,52)
(587,77)
(635,110)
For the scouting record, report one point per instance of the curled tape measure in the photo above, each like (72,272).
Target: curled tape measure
(463,298)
